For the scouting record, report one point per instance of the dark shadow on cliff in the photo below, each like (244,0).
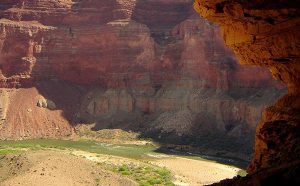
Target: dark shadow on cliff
(163,17)
(226,160)
(205,142)
(69,98)
(65,95)
(286,174)
(216,147)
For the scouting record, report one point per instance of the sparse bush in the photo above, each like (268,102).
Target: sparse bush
(242,173)
(145,175)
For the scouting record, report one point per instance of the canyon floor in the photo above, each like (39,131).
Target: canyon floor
(89,163)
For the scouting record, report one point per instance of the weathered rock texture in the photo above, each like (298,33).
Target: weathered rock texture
(153,66)
(266,33)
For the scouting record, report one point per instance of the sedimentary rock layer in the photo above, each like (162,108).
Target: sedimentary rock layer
(154,64)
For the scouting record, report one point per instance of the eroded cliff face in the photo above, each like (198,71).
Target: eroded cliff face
(152,66)
(266,33)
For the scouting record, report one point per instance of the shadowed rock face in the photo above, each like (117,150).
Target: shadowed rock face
(152,66)
(266,33)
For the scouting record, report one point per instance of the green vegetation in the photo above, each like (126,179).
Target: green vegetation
(144,175)
(8,151)
(122,150)
(128,151)
(97,180)
(108,134)
(242,173)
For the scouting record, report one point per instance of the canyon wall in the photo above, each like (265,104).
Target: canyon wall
(266,33)
(149,66)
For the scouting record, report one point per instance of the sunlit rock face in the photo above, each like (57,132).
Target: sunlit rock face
(152,66)
(266,33)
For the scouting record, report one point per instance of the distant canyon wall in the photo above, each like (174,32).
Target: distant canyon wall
(144,65)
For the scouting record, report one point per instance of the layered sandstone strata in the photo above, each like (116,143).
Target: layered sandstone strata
(266,33)
(152,66)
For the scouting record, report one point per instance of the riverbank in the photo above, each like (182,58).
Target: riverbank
(141,164)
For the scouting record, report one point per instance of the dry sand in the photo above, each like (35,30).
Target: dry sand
(79,168)
(50,168)
(196,172)
(187,172)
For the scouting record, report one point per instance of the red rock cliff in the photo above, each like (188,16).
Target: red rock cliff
(152,63)
(266,33)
